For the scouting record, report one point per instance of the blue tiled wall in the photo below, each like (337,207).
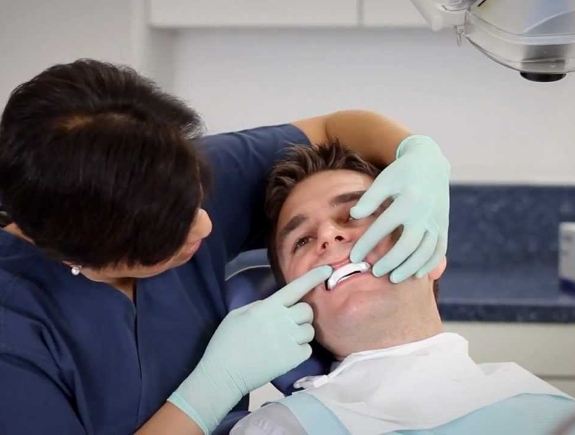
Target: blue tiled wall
(493,224)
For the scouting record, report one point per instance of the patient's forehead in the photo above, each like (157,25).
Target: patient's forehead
(315,192)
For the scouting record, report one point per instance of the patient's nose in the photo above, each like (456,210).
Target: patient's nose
(331,235)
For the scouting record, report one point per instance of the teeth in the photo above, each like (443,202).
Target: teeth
(345,272)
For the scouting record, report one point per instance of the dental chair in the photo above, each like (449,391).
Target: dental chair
(249,278)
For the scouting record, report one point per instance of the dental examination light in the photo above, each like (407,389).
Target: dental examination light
(534,37)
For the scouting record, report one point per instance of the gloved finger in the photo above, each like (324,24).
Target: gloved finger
(388,221)
(416,261)
(380,190)
(435,259)
(298,288)
(408,242)
(306,351)
(301,313)
(304,334)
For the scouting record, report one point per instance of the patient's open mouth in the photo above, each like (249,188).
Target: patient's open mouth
(345,272)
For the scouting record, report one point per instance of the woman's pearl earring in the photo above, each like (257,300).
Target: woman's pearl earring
(76,270)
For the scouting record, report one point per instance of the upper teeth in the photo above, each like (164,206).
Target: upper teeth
(343,273)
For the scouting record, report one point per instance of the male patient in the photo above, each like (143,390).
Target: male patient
(397,371)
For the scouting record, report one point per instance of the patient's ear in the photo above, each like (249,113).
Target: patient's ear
(438,271)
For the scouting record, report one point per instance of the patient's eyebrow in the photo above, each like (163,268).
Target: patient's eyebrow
(346,197)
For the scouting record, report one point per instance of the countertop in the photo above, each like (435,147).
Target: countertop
(523,292)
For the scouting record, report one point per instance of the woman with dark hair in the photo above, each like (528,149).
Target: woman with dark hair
(111,276)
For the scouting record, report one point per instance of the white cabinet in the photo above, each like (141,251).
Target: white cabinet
(282,13)
(253,13)
(390,13)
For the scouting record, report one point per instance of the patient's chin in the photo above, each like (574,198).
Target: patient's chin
(364,290)
(353,317)
(360,305)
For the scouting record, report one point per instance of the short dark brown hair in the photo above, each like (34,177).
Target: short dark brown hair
(98,166)
(300,163)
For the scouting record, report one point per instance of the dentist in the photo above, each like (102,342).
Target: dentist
(112,311)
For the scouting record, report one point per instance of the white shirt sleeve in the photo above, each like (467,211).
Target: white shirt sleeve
(272,419)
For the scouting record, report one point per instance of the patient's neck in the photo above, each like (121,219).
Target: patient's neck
(403,333)
(414,323)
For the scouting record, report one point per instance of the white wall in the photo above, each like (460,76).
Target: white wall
(494,125)
(35,34)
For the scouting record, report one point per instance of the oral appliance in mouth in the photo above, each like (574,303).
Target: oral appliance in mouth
(345,272)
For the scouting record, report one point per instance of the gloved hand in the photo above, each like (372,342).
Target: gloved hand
(418,182)
(253,345)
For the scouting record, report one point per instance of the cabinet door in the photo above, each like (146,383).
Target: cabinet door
(253,13)
(390,13)
(545,349)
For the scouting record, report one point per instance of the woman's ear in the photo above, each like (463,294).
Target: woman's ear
(438,271)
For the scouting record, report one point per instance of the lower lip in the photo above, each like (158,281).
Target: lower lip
(352,278)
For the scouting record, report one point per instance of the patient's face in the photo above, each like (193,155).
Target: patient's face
(317,211)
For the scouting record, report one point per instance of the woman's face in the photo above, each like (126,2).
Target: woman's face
(201,227)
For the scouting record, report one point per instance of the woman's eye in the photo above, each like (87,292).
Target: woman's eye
(300,243)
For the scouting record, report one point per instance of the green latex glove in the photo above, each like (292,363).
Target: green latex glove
(253,345)
(418,182)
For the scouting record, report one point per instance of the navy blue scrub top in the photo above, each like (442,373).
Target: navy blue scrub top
(78,357)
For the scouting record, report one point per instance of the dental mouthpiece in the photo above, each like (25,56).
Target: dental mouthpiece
(345,272)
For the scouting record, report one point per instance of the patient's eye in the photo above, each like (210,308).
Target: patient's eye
(300,243)
(350,219)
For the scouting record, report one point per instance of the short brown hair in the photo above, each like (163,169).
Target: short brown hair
(300,163)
